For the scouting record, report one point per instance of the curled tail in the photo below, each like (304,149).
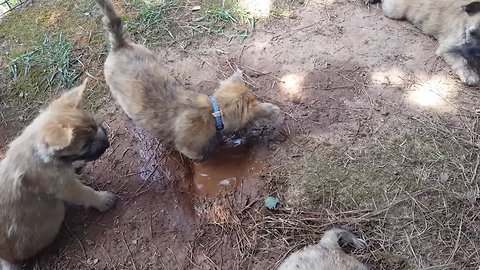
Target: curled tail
(331,237)
(114,25)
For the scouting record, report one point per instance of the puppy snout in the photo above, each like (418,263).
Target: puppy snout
(99,145)
(474,34)
(102,137)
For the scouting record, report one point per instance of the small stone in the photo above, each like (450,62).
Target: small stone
(220,51)
(472,197)
(196,8)
(443,177)
(134,241)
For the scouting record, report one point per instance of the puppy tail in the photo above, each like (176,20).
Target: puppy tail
(331,237)
(114,25)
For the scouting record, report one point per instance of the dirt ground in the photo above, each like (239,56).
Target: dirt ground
(377,135)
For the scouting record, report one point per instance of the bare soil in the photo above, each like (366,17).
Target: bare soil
(368,111)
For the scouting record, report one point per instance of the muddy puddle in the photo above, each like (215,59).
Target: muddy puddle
(232,165)
(224,172)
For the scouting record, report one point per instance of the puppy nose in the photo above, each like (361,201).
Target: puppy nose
(475,33)
(105,143)
(103,137)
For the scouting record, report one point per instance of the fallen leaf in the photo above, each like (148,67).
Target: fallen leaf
(271,202)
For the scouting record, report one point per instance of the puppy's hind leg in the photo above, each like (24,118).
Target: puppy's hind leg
(77,193)
(460,66)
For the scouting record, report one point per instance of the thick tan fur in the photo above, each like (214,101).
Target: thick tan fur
(327,254)
(37,177)
(160,104)
(446,20)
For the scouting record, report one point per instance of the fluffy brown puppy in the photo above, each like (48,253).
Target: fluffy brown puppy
(160,104)
(455,24)
(37,177)
(327,254)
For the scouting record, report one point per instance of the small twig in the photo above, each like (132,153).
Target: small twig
(129,252)
(78,240)
(411,247)
(457,242)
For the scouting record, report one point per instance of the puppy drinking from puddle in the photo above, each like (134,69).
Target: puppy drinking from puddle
(37,176)
(454,23)
(327,254)
(161,105)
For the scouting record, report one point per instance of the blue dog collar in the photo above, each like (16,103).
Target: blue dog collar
(217,113)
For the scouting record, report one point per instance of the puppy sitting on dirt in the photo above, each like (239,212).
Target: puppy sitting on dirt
(327,254)
(160,104)
(37,177)
(455,24)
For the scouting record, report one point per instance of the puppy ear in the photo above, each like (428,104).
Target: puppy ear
(266,111)
(472,8)
(237,76)
(57,136)
(74,96)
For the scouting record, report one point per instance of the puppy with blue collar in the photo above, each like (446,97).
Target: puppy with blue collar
(161,105)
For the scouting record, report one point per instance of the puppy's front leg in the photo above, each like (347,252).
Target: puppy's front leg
(77,193)
(460,65)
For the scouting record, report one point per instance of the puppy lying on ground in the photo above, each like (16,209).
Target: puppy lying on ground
(455,24)
(37,177)
(327,254)
(160,104)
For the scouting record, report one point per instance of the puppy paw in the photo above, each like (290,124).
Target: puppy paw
(470,78)
(78,166)
(275,112)
(106,200)
(268,111)
(192,155)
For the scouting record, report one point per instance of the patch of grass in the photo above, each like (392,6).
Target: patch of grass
(284,8)
(86,8)
(31,76)
(152,21)
(364,176)
(28,32)
(173,22)
(49,46)
(54,60)
(218,19)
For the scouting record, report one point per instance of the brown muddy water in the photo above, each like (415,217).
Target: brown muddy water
(231,166)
